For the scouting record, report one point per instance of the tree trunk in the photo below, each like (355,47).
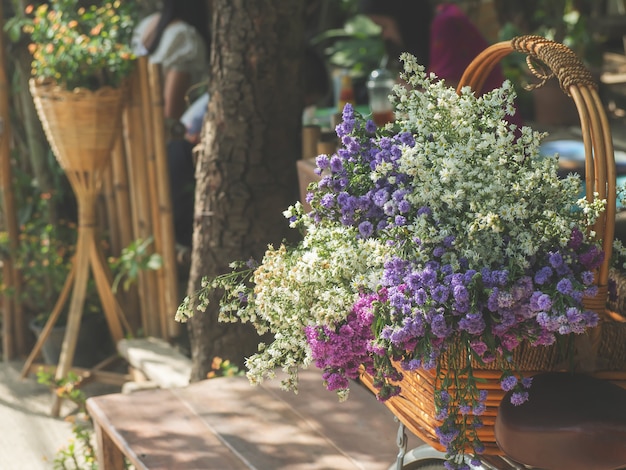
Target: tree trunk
(246,172)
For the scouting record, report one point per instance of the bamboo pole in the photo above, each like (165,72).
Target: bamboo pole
(122,211)
(136,150)
(153,104)
(109,208)
(165,243)
(152,327)
(13,331)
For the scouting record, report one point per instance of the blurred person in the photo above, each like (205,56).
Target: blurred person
(441,37)
(177,37)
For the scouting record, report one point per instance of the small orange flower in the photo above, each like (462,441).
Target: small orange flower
(29,9)
(96,29)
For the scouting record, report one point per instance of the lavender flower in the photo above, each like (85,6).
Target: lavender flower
(518,398)
(508,383)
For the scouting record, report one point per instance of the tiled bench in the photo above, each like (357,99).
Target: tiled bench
(226,423)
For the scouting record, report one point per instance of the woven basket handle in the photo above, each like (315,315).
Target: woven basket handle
(546,59)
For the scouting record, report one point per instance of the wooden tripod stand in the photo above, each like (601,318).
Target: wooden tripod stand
(81,128)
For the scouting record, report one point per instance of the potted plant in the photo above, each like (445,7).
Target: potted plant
(440,242)
(44,257)
(81,59)
(77,46)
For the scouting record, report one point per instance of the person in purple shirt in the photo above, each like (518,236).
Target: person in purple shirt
(442,38)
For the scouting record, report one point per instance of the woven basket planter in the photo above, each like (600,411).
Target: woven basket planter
(81,125)
(603,350)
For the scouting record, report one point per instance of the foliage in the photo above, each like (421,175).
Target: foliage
(564,21)
(78,46)
(134,259)
(356,47)
(80,453)
(43,255)
(443,235)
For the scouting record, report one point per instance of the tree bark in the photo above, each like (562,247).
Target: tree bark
(246,173)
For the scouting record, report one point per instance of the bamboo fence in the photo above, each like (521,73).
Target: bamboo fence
(138,194)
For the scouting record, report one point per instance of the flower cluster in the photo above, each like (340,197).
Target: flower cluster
(81,47)
(440,241)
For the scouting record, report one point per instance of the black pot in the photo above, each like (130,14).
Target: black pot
(93,344)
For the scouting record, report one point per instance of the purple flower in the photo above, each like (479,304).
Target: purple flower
(479,347)
(460,293)
(327,201)
(406,138)
(442,414)
(440,294)
(574,315)
(366,229)
(576,239)
(587,278)
(385,143)
(592,259)
(404,206)
(564,286)
(322,161)
(473,323)
(380,197)
(439,251)
(543,275)
(479,409)
(544,302)
(556,260)
(508,383)
(420,297)
(370,126)
(517,398)
(439,327)
(336,164)
(400,220)
(424,210)
(429,276)
(446,437)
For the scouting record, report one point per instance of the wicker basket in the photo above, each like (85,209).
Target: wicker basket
(603,350)
(81,125)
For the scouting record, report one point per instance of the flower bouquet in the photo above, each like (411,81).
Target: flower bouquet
(442,241)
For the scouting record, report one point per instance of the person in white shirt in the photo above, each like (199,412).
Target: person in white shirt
(176,37)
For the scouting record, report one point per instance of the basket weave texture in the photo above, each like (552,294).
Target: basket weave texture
(603,350)
(81,125)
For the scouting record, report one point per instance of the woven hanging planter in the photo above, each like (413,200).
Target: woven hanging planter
(81,125)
